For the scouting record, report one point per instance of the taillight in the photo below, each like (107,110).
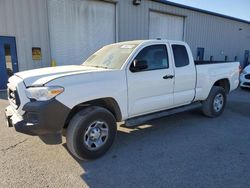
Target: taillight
(240,69)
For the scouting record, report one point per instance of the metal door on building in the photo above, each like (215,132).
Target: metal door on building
(8,60)
(79,28)
(166,26)
(200,54)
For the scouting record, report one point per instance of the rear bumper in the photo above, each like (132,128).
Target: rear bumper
(40,118)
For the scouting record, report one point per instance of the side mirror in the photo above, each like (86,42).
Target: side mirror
(138,65)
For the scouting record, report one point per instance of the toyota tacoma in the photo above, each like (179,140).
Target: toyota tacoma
(130,82)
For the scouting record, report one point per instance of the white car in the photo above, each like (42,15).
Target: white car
(132,81)
(245,77)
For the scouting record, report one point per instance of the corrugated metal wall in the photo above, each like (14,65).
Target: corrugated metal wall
(219,36)
(27,21)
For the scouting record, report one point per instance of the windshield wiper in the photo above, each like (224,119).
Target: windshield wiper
(97,66)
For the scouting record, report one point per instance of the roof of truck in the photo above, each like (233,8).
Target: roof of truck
(137,42)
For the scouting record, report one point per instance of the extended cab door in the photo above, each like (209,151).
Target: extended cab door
(151,89)
(185,74)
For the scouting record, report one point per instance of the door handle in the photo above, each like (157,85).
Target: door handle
(168,77)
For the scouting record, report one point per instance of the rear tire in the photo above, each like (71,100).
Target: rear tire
(91,132)
(215,103)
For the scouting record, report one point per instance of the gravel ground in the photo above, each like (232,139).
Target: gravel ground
(184,150)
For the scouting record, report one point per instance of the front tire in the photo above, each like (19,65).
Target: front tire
(91,132)
(215,103)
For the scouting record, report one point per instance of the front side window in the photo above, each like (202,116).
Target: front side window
(180,55)
(155,56)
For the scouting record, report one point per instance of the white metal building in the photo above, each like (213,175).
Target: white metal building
(35,32)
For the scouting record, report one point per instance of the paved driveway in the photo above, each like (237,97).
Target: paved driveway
(184,150)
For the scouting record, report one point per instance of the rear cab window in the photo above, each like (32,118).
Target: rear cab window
(181,58)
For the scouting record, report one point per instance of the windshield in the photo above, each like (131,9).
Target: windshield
(111,56)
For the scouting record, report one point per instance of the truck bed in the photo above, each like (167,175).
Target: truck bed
(210,62)
(209,73)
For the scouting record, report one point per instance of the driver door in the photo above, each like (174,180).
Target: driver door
(151,89)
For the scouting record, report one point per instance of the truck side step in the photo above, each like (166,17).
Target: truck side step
(144,118)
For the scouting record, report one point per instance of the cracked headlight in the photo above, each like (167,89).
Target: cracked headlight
(43,93)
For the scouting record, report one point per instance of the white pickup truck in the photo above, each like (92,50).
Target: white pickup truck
(130,82)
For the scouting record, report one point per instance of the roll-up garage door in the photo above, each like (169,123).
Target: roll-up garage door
(165,26)
(79,27)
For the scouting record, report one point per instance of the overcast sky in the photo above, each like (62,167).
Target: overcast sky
(235,8)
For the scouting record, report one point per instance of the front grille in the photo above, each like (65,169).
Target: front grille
(246,84)
(14,97)
(247,76)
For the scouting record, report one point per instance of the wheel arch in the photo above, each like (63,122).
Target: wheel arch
(224,83)
(107,103)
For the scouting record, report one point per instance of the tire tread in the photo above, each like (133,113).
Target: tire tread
(207,105)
